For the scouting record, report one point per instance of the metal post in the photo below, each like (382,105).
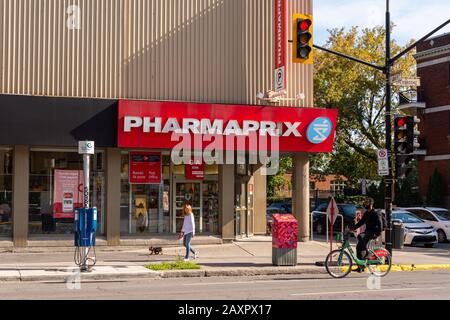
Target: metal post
(389,179)
(86,164)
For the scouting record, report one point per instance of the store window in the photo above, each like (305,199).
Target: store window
(6,177)
(148,208)
(145,207)
(56,179)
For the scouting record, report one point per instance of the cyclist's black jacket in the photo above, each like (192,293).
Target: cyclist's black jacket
(373,221)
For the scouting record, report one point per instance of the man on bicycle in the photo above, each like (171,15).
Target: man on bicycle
(374,225)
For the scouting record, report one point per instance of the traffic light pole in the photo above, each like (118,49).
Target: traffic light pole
(389,62)
(389,179)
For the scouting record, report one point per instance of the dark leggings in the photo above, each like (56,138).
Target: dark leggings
(363,240)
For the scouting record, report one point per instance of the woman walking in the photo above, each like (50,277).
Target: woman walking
(188,231)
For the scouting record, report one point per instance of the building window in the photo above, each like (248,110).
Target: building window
(6,177)
(56,179)
(337,186)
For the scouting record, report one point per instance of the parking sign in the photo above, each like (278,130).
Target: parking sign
(383,163)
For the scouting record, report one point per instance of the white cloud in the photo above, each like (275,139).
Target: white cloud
(413,18)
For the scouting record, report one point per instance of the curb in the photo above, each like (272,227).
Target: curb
(237,272)
(244,272)
(420,267)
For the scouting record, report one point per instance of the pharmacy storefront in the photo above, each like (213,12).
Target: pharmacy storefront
(151,158)
(172,153)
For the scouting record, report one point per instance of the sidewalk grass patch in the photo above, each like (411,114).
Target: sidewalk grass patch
(176,265)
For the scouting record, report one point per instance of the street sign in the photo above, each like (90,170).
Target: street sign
(86,147)
(280,79)
(406,82)
(383,163)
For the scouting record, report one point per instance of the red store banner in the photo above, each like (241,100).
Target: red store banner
(163,125)
(280,45)
(68,193)
(145,168)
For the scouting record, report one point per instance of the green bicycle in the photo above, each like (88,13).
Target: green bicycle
(339,262)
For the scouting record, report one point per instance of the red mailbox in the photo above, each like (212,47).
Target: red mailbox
(284,231)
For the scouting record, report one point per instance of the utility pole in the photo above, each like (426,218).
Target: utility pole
(386,69)
(389,179)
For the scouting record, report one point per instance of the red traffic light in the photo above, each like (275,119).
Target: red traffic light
(304,24)
(401,122)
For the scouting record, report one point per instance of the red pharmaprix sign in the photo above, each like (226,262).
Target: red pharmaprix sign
(280,45)
(166,125)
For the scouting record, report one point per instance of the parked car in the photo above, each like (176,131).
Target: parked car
(269,212)
(416,230)
(348,211)
(439,218)
(283,206)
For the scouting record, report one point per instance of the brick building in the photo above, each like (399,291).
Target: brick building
(433,67)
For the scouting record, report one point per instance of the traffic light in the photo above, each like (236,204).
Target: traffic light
(401,145)
(402,165)
(303,39)
(413,133)
(405,143)
(406,135)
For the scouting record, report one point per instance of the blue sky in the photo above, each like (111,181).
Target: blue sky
(406,14)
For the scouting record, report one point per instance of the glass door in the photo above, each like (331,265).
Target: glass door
(250,209)
(240,209)
(188,192)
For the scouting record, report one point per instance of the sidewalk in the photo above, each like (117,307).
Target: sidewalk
(249,257)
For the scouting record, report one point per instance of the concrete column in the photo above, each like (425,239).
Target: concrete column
(112,216)
(226,201)
(260,200)
(300,195)
(21,181)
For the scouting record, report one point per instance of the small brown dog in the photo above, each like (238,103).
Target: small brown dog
(155,250)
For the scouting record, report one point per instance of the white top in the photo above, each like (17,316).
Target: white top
(188,224)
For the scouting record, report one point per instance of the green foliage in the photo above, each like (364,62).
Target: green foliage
(407,192)
(358,92)
(377,194)
(435,196)
(177,265)
(276,182)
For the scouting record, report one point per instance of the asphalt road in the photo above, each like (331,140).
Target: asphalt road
(434,285)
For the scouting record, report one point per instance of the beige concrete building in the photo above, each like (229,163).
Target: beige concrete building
(66,64)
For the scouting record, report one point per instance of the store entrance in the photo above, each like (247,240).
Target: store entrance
(188,192)
(244,208)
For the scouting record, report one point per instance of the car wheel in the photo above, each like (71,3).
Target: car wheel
(442,238)
(320,228)
(429,245)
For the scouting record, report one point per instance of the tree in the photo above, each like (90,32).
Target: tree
(276,182)
(435,196)
(358,92)
(407,191)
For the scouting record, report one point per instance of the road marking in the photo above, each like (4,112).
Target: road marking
(248,282)
(365,291)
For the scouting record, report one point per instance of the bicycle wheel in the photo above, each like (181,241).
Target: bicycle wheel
(338,264)
(382,269)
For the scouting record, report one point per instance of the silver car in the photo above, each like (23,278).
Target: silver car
(416,230)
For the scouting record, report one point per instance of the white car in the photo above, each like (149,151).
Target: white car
(416,230)
(439,218)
